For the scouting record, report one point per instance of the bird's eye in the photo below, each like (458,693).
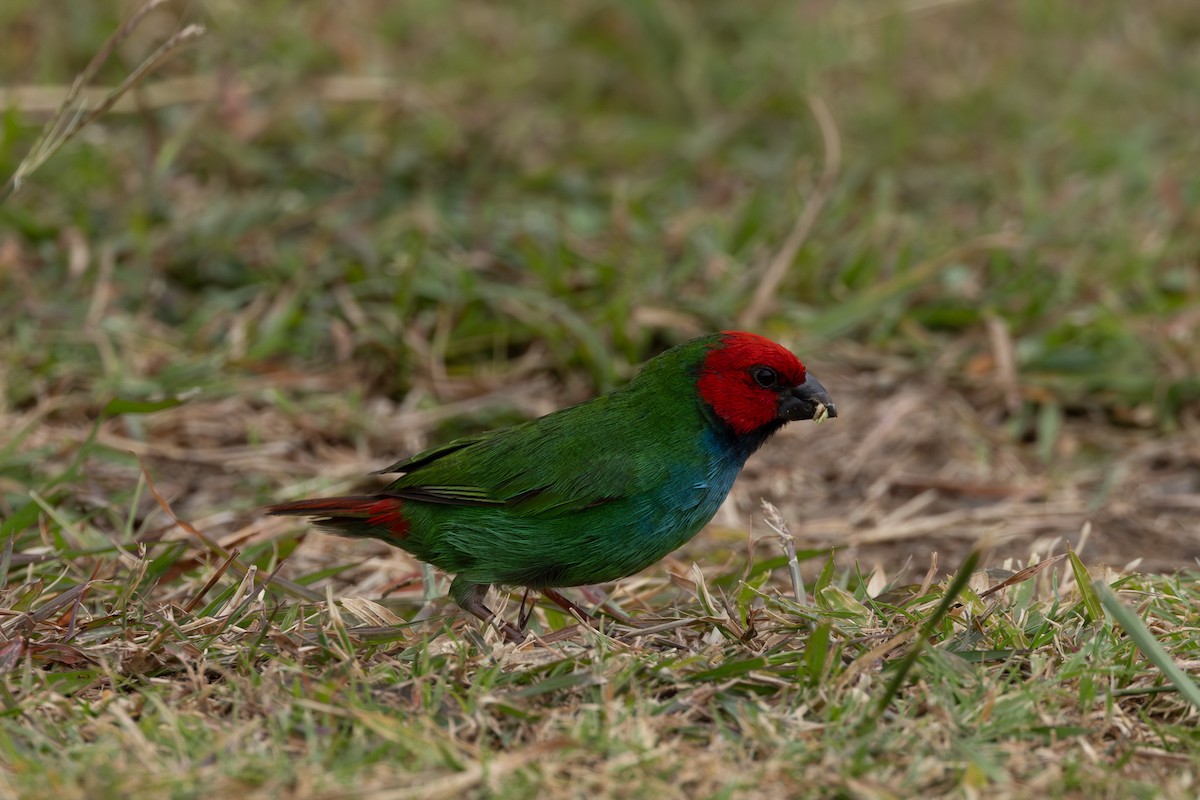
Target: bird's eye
(765,377)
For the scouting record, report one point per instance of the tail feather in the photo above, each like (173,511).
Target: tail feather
(359,515)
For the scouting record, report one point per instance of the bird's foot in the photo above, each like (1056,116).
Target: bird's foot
(510,632)
(471,601)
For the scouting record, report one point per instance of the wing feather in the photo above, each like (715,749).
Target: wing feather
(577,458)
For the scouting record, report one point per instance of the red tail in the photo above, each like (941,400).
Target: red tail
(351,515)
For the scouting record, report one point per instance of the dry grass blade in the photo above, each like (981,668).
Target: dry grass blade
(290,587)
(1023,574)
(44,612)
(1004,353)
(764,293)
(868,659)
(73,116)
(198,597)
(474,776)
(370,612)
(777,523)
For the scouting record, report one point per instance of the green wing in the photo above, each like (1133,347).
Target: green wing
(577,458)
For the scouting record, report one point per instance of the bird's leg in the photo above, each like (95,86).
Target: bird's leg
(604,602)
(469,597)
(510,632)
(566,604)
(526,611)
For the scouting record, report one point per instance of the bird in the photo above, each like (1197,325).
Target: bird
(591,493)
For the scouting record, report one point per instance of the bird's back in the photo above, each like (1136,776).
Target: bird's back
(587,494)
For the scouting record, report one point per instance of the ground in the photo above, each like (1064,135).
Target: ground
(304,240)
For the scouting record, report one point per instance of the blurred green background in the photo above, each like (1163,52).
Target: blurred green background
(394,184)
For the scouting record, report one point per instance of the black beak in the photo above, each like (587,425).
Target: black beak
(806,401)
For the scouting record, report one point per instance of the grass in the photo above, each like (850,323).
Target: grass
(217,687)
(316,239)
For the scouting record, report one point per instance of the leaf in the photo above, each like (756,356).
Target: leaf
(826,576)
(816,652)
(24,517)
(843,604)
(1091,602)
(120,405)
(749,591)
(11,653)
(559,683)
(730,669)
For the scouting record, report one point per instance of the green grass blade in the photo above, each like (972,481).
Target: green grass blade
(1091,602)
(927,628)
(1128,619)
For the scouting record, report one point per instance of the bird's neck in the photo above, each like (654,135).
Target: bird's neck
(735,446)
